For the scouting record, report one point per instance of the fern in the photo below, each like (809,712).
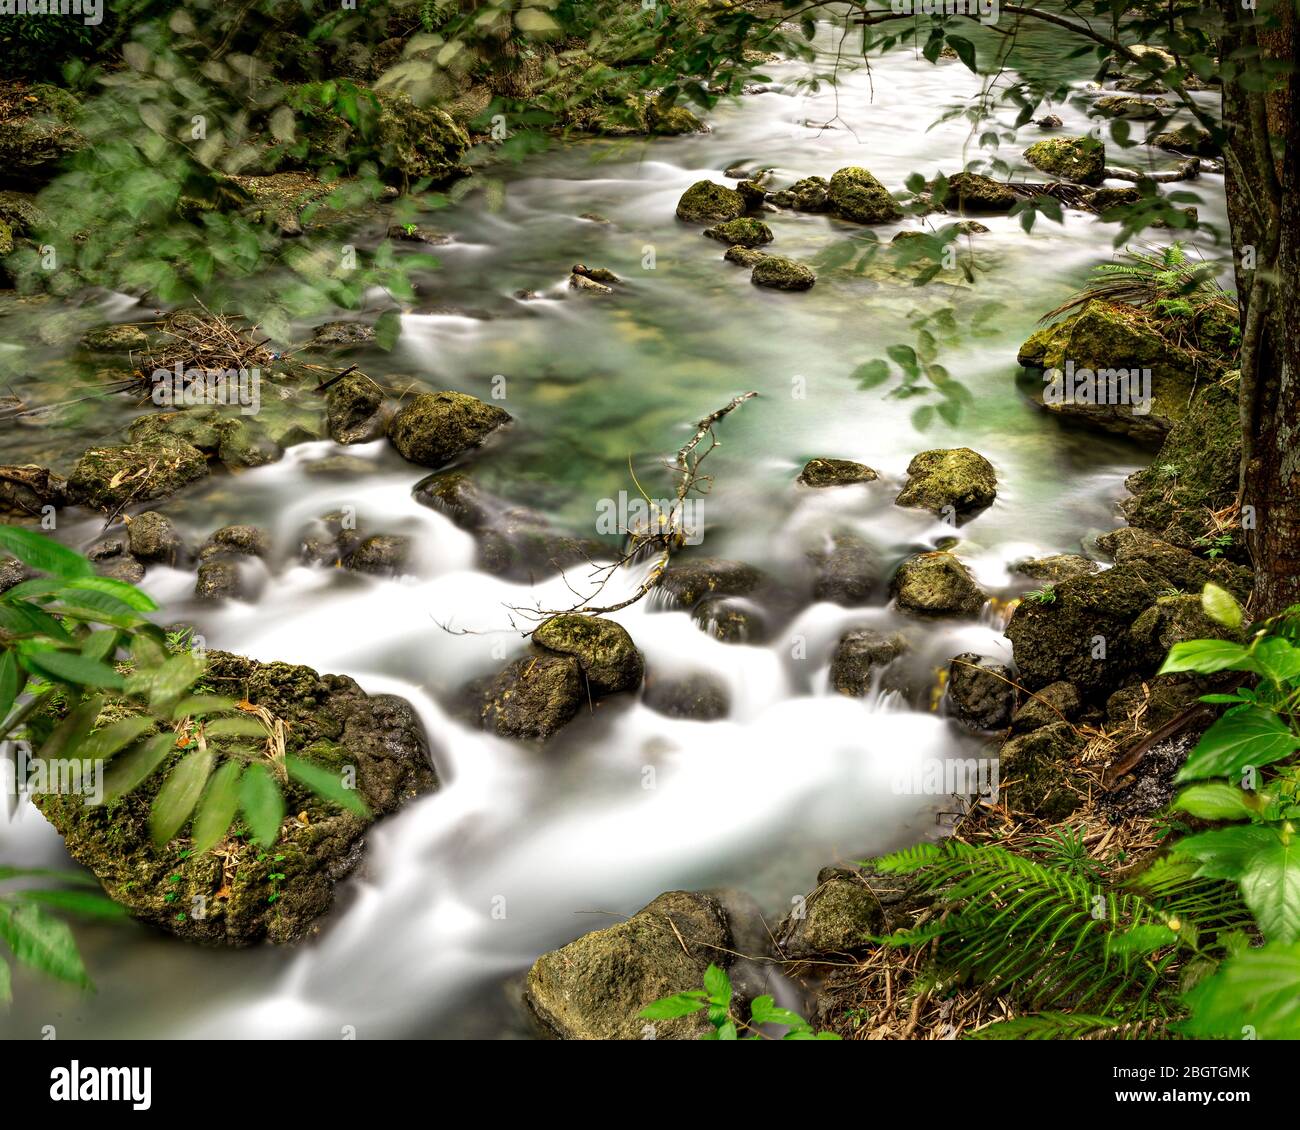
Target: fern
(1148,279)
(1064,1026)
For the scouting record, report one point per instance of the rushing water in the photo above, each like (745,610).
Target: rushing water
(568,838)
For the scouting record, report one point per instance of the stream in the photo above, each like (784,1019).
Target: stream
(523,849)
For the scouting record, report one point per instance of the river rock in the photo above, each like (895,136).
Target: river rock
(605,652)
(980,691)
(838,918)
(1176,619)
(1035,772)
(106,478)
(382,555)
(28,489)
(595,987)
(354,410)
(688,580)
(1049,121)
(112,558)
(221,578)
(743,256)
(744,232)
(1179,568)
(707,202)
(246,541)
(953,481)
(779,273)
(1081,159)
(1053,703)
(854,194)
(436,427)
(232,438)
(971,192)
(119,338)
(731,620)
(342,335)
(860,655)
(845,571)
(835,472)
(1055,568)
(37,132)
(811,194)
(331,722)
(1132,108)
(1189,138)
(937,584)
(154,539)
(419,142)
(533,697)
(697,696)
(586,285)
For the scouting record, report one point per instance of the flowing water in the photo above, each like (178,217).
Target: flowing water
(523,849)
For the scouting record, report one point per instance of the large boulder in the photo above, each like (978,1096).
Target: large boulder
(1080,159)
(952,481)
(533,697)
(108,477)
(595,987)
(1057,567)
(436,427)
(707,202)
(937,584)
(239,894)
(854,194)
(605,652)
(1179,568)
(419,142)
(980,691)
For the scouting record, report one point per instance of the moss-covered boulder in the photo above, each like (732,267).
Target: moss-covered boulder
(21,213)
(811,194)
(533,698)
(744,232)
(845,570)
(1177,618)
(949,482)
(1058,567)
(223,434)
(1081,159)
(1131,107)
(1056,702)
(937,584)
(743,256)
(671,121)
(154,539)
(119,338)
(381,555)
(245,541)
(697,696)
(605,652)
(854,194)
(1189,138)
(778,273)
(418,142)
(838,918)
(972,192)
(342,335)
(37,132)
(835,473)
(436,427)
(689,580)
(595,987)
(238,893)
(1101,200)
(108,477)
(980,691)
(860,658)
(707,202)
(1179,568)
(354,410)
(1035,773)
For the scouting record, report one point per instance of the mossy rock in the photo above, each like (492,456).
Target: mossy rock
(1189,138)
(108,477)
(840,917)
(845,571)
(534,697)
(697,696)
(154,539)
(707,202)
(436,427)
(1177,567)
(227,434)
(835,473)
(595,987)
(937,584)
(972,192)
(743,232)
(1056,702)
(854,194)
(811,194)
(1057,567)
(1081,159)
(26,489)
(953,481)
(37,137)
(1132,108)
(417,142)
(777,273)
(743,256)
(860,656)
(609,659)
(673,121)
(119,338)
(1177,619)
(381,555)
(689,580)
(6,239)
(229,896)
(354,410)
(1104,199)
(980,691)
(21,213)
(1035,774)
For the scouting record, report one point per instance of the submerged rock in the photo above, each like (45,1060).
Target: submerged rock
(108,477)
(382,555)
(731,620)
(782,274)
(436,427)
(744,232)
(845,572)
(248,894)
(354,410)
(112,558)
(689,580)
(949,482)
(247,541)
(860,656)
(595,987)
(835,472)
(605,652)
(1080,159)
(854,194)
(587,285)
(937,584)
(220,578)
(697,696)
(980,691)
(534,697)
(708,202)
(1189,138)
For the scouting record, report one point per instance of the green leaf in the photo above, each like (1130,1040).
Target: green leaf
(1205,657)
(1249,738)
(100,645)
(765,1010)
(718,985)
(1270,886)
(872,373)
(235,727)
(76,670)
(1277,660)
(1220,606)
(42,942)
(10,682)
(179,794)
(6,983)
(76,902)
(134,767)
(68,735)
(262,804)
(43,553)
(22,619)
(128,595)
(669,1008)
(325,783)
(1257,989)
(108,741)
(965,50)
(218,807)
(1216,800)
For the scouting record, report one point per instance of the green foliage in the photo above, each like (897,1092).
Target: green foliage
(716,997)
(1045,595)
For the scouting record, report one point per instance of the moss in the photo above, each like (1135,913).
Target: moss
(937,584)
(1033,354)
(33,141)
(839,917)
(6,239)
(854,194)
(708,202)
(778,273)
(534,697)
(673,121)
(1034,772)
(811,194)
(835,472)
(108,477)
(1080,159)
(971,192)
(745,232)
(234,439)
(609,659)
(417,142)
(435,427)
(953,480)
(743,256)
